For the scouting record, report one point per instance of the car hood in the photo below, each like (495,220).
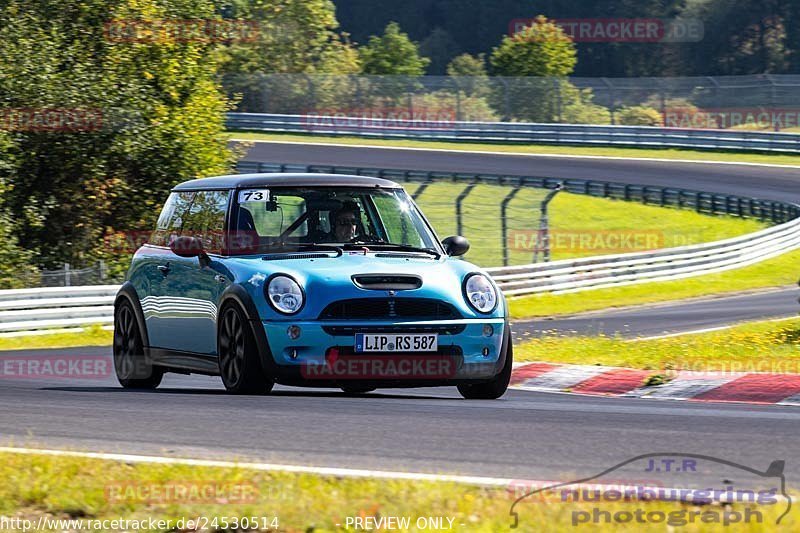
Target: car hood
(328,279)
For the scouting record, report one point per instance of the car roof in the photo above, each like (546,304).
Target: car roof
(283,179)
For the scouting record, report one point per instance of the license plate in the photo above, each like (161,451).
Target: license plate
(396,342)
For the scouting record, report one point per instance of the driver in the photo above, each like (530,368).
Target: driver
(344,222)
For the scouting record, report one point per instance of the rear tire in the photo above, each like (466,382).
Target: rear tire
(239,364)
(499,384)
(133,369)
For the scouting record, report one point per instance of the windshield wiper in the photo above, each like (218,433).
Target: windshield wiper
(400,247)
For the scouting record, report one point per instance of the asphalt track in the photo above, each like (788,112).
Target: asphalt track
(766,182)
(524,435)
(670,318)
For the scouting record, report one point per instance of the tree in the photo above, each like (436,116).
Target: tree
(155,118)
(17,266)
(741,36)
(468,74)
(467,65)
(536,62)
(543,49)
(294,36)
(393,53)
(440,47)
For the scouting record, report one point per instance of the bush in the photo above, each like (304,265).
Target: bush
(578,108)
(158,120)
(547,100)
(460,106)
(638,116)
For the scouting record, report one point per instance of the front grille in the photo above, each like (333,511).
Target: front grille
(441,329)
(383,308)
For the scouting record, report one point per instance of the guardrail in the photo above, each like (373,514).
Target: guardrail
(25,310)
(36,309)
(575,275)
(570,134)
(701,202)
(56,307)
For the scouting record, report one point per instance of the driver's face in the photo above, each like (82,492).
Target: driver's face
(345,227)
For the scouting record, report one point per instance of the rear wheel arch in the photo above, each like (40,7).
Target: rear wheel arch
(128,292)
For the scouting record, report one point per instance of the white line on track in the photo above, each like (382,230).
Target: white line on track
(526,485)
(490,152)
(268,467)
(708,330)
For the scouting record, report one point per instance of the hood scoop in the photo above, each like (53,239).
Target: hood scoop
(387,282)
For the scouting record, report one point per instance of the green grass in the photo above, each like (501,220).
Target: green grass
(656,153)
(91,336)
(754,347)
(580,225)
(776,272)
(92,489)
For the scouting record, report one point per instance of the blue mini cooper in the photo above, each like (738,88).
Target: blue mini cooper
(308,280)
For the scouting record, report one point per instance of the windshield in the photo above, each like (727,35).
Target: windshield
(280,218)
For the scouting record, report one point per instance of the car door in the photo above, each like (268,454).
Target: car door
(194,284)
(154,265)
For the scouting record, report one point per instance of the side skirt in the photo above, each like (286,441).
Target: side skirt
(185,361)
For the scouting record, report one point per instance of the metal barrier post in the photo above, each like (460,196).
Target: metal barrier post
(459,202)
(504,221)
(544,226)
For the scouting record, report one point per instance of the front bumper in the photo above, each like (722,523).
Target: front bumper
(465,352)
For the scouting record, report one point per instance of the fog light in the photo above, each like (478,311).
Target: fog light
(293,332)
(485,351)
(293,353)
(488,330)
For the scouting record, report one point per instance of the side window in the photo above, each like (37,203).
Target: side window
(206,219)
(170,221)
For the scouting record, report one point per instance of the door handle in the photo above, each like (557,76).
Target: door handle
(164,269)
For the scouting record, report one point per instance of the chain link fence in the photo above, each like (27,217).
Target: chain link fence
(68,276)
(759,102)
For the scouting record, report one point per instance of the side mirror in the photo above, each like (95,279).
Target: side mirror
(456,245)
(187,246)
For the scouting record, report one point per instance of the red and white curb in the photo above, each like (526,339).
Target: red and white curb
(760,388)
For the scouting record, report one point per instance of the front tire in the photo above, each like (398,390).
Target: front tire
(499,384)
(133,369)
(239,365)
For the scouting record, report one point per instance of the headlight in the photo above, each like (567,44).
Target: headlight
(480,293)
(285,295)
